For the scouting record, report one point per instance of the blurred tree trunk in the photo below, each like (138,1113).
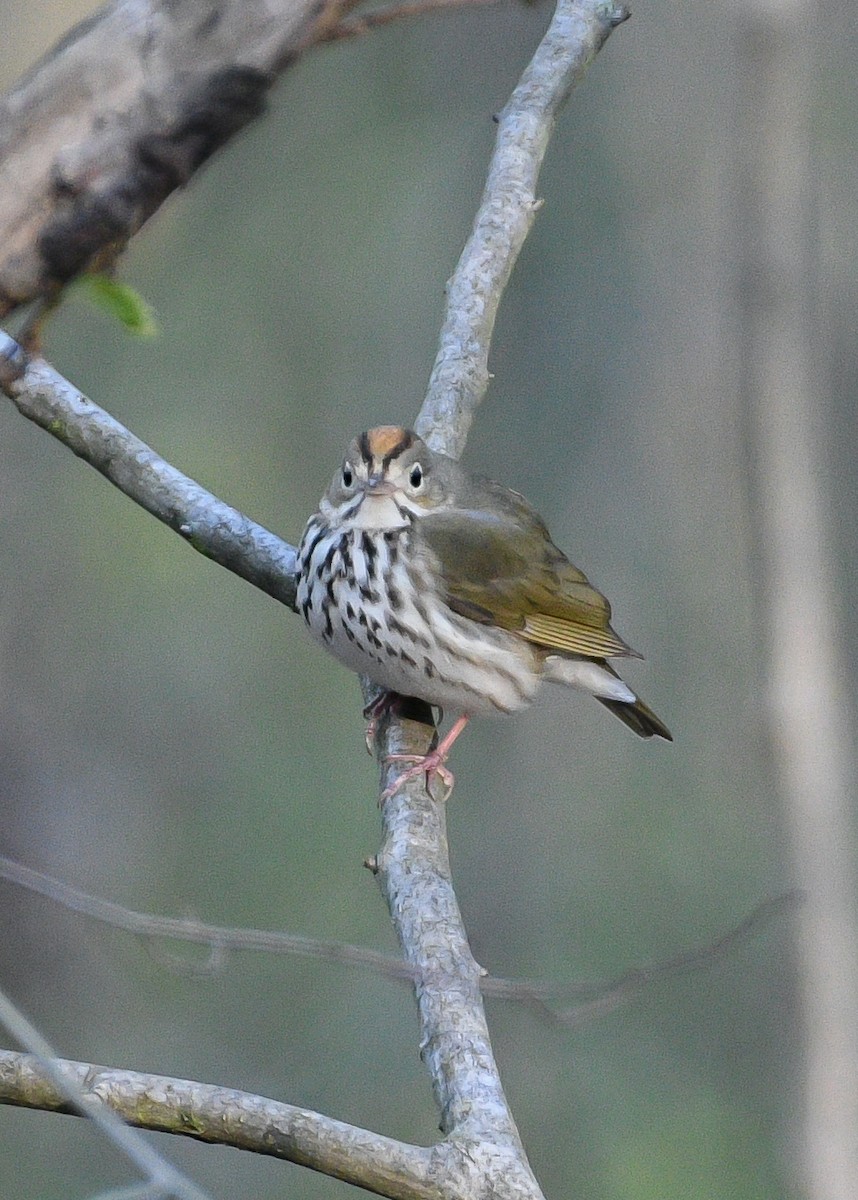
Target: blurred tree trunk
(809,705)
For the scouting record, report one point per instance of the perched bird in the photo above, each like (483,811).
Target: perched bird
(446,586)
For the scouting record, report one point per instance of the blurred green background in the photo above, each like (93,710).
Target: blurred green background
(172,740)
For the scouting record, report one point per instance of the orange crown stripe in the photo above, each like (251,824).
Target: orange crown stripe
(384,439)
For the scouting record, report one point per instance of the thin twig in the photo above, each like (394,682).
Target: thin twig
(592,999)
(50,1075)
(631,983)
(218,939)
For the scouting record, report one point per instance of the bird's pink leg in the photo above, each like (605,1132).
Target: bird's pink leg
(430,765)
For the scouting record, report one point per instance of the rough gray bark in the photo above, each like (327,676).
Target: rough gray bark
(229,1118)
(121,113)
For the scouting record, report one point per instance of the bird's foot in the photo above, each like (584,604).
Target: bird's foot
(431,765)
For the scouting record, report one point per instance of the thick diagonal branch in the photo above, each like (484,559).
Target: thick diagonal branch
(124,111)
(232,1118)
(121,113)
(208,524)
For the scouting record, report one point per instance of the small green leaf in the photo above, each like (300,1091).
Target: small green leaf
(121,302)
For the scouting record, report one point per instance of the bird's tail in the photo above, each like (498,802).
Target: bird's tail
(639,717)
(597,677)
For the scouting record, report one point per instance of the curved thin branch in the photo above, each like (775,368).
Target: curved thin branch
(592,999)
(218,939)
(229,1117)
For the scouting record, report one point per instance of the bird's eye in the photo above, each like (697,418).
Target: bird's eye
(416,476)
(348,475)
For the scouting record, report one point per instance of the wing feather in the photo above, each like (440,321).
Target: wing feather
(503,569)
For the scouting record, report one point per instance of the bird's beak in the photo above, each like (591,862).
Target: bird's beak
(377,485)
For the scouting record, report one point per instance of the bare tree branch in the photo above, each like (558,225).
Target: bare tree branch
(229,1118)
(120,114)
(124,110)
(482,1142)
(249,1122)
(481,1154)
(213,528)
(217,938)
(594,998)
(460,376)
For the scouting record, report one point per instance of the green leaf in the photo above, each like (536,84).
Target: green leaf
(121,302)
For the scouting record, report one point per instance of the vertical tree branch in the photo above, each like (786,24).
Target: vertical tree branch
(482,1154)
(460,375)
(482,1146)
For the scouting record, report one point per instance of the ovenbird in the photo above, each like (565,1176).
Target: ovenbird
(446,586)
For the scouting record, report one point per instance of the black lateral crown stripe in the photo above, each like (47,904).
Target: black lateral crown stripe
(404,442)
(363,446)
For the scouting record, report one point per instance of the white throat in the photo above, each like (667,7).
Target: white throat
(378,512)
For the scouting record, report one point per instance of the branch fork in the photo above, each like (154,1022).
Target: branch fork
(481,1154)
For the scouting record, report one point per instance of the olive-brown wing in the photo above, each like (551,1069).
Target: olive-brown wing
(503,571)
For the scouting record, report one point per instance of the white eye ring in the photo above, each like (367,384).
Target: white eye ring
(415,477)
(348,475)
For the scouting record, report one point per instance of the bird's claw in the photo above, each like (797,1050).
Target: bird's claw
(369,734)
(431,765)
(373,712)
